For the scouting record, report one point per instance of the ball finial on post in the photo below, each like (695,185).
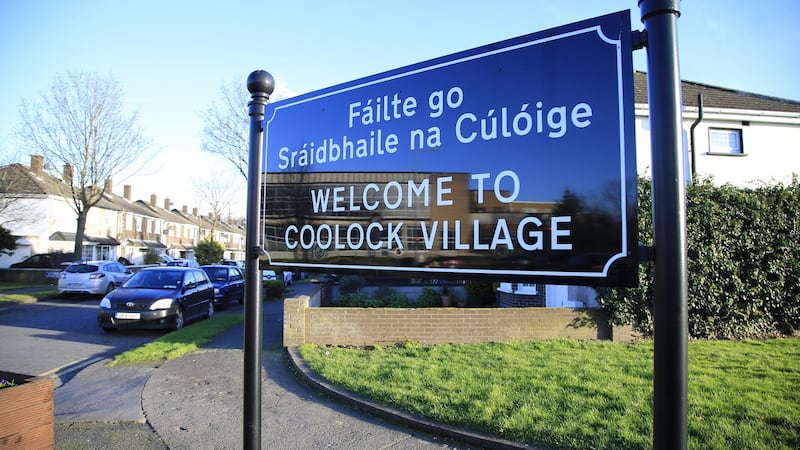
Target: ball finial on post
(260,81)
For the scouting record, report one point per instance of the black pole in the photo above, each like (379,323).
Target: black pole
(260,84)
(670,360)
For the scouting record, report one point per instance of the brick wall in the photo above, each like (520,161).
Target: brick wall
(370,326)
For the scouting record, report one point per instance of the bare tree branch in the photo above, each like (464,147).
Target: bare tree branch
(227,132)
(216,191)
(81,122)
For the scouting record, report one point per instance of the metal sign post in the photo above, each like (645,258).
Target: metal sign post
(670,366)
(260,84)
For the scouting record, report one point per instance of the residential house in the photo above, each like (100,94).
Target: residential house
(735,137)
(116,227)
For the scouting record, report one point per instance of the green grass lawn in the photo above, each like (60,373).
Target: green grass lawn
(580,394)
(42,292)
(180,342)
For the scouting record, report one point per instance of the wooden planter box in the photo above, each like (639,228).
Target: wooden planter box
(26,412)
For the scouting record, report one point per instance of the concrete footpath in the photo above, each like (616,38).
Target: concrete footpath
(195,402)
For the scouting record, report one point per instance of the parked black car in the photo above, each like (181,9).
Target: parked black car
(51,260)
(158,297)
(228,284)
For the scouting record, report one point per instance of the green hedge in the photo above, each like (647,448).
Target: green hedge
(743,262)
(273,288)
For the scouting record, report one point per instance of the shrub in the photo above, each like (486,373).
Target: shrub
(151,257)
(273,288)
(429,297)
(742,262)
(383,292)
(481,292)
(390,300)
(208,252)
(357,300)
(351,283)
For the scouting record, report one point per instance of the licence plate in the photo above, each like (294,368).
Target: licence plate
(124,315)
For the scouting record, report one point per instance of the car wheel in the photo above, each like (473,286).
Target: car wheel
(110,287)
(210,312)
(179,319)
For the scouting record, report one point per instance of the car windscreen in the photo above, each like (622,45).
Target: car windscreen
(216,274)
(155,279)
(81,268)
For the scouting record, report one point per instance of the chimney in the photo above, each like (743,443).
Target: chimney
(126,192)
(37,163)
(68,172)
(185,209)
(167,204)
(109,185)
(194,212)
(153,200)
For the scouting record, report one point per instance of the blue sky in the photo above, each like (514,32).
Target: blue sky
(171,57)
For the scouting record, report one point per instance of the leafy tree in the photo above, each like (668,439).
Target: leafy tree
(80,123)
(8,243)
(208,251)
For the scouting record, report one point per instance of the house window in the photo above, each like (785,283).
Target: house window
(725,141)
(104,252)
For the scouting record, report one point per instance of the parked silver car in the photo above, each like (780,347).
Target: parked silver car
(92,277)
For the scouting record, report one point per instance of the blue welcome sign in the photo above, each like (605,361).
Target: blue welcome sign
(510,161)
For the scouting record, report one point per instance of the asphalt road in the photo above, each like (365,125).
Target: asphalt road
(58,337)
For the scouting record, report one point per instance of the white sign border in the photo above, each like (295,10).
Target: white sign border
(450,271)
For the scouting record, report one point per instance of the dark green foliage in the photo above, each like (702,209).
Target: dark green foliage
(351,283)
(429,297)
(273,288)
(481,292)
(208,252)
(383,292)
(7,241)
(743,262)
(389,299)
(151,257)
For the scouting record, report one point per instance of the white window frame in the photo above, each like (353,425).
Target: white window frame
(725,141)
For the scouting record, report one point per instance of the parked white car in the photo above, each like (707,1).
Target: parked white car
(268,275)
(92,277)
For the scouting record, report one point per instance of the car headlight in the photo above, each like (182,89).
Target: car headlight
(105,303)
(164,303)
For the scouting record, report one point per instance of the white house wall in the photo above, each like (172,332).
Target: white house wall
(100,222)
(44,215)
(770,144)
